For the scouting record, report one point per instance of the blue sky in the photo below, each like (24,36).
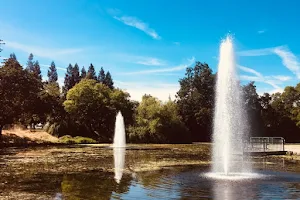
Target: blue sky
(146,45)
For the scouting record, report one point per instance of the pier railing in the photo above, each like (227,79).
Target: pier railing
(264,144)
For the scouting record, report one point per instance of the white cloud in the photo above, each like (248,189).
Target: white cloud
(176,43)
(257,52)
(261,31)
(249,70)
(273,81)
(139,24)
(150,61)
(137,90)
(40,51)
(162,70)
(282,78)
(289,60)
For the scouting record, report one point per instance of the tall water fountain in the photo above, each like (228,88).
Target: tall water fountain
(230,122)
(119,146)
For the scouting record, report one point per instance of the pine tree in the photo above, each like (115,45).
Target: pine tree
(13,56)
(36,70)
(108,81)
(101,76)
(75,74)
(52,73)
(83,73)
(30,63)
(91,74)
(68,82)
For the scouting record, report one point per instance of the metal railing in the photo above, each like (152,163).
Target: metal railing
(264,144)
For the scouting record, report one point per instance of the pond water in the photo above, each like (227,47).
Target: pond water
(152,172)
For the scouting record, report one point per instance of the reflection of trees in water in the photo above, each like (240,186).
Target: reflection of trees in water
(93,186)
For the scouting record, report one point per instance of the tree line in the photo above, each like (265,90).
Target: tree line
(88,102)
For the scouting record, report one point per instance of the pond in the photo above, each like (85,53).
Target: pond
(151,172)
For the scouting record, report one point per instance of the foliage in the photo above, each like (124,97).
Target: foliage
(52,73)
(67,139)
(83,73)
(91,74)
(195,100)
(95,106)
(157,123)
(88,104)
(19,91)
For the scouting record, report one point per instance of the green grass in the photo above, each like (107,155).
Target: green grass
(67,139)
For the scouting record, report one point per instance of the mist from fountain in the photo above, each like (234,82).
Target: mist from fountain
(119,147)
(230,122)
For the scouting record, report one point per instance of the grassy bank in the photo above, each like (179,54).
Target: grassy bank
(27,138)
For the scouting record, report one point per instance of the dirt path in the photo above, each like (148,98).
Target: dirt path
(38,135)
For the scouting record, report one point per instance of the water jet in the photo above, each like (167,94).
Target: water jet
(119,146)
(230,122)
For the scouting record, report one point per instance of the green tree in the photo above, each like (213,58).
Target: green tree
(158,123)
(52,73)
(108,81)
(253,109)
(13,56)
(30,63)
(37,70)
(101,76)
(19,91)
(95,106)
(195,100)
(69,81)
(75,74)
(91,74)
(83,73)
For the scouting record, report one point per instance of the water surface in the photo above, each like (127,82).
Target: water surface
(151,172)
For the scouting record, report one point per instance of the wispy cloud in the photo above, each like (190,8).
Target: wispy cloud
(151,61)
(176,43)
(41,51)
(257,52)
(274,81)
(261,31)
(249,70)
(162,70)
(282,78)
(289,60)
(134,22)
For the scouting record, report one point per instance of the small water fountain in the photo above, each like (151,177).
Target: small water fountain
(119,147)
(230,122)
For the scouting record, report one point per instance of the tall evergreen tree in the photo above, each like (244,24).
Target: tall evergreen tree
(83,73)
(36,70)
(13,56)
(30,63)
(68,82)
(75,74)
(91,74)
(52,73)
(101,76)
(108,81)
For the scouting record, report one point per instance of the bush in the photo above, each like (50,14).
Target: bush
(67,139)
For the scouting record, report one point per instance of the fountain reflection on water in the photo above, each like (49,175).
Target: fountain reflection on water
(119,147)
